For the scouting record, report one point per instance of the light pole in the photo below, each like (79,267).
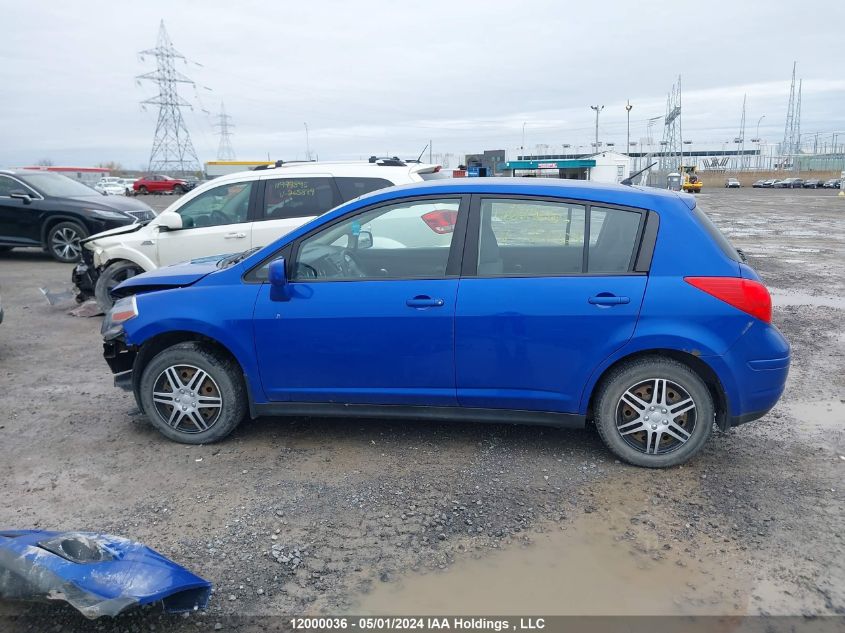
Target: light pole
(523,140)
(598,109)
(628,107)
(307,143)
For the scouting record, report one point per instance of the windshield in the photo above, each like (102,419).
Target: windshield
(56,185)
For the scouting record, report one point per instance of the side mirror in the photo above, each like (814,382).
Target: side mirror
(170,221)
(279,289)
(20,194)
(365,239)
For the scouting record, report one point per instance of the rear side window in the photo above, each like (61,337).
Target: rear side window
(537,237)
(351,188)
(713,231)
(613,238)
(298,198)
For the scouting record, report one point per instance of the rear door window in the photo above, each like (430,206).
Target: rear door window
(298,197)
(613,238)
(351,188)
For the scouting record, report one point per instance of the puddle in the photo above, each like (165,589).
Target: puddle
(788,298)
(821,415)
(801,249)
(581,571)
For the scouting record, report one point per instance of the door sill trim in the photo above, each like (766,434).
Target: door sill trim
(415,412)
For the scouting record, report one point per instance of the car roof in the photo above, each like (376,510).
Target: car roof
(630,195)
(361,168)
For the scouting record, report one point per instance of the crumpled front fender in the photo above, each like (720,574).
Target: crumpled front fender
(98,574)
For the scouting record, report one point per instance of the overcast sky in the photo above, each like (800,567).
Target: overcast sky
(385,77)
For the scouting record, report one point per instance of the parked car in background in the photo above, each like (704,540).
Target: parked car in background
(128,185)
(758,184)
(552,302)
(813,183)
(111,186)
(161,184)
(833,183)
(768,184)
(732,183)
(789,183)
(234,212)
(46,209)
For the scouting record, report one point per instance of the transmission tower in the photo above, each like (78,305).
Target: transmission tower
(672,145)
(790,141)
(172,149)
(798,121)
(224,124)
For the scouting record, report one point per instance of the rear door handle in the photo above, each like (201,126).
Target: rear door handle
(608,300)
(234,236)
(423,301)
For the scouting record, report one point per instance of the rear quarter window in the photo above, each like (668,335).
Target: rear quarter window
(351,188)
(717,236)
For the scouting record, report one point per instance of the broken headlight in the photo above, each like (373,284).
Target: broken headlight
(123,310)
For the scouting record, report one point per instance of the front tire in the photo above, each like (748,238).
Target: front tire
(63,241)
(110,278)
(654,412)
(193,394)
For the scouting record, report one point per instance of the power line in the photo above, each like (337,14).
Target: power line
(172,149)
(224,124)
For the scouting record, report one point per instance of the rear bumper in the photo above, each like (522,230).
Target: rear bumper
(753,373)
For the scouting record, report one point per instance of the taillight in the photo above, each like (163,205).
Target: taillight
(743,294)
(441,221)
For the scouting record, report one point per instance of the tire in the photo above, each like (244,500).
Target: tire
(178,190)
(618,420)
(143,190)
(63,241)
(223,382)
(111,276)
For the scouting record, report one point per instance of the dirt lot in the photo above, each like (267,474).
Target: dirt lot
(345,516)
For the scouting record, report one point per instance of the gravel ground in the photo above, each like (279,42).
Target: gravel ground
(309,516)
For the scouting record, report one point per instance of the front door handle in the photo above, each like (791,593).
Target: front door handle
(424,301)
(234,236)
(606,299)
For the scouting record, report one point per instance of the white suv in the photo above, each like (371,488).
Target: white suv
(233,213)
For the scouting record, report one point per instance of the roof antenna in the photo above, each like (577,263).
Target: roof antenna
(630,179)
(419,158)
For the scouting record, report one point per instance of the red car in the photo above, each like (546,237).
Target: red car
(161,184)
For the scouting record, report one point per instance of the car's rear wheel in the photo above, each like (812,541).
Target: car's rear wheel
(178,189)
(193,394)
(110,278)
(143,190)
(654,412)
(63,241)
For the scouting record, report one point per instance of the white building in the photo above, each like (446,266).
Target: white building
(601,167)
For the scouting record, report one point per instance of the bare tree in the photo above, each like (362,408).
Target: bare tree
(112,165)
(45,162)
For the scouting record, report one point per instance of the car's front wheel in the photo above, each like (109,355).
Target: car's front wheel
(193,394)
(654,412)
(110,278)
(64,241)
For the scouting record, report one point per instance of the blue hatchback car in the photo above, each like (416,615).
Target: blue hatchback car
(535,301)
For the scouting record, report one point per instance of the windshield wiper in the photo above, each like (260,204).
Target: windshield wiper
(237,257)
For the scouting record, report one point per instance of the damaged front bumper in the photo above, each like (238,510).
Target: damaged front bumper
(84,276)
(120,359)
(98,574)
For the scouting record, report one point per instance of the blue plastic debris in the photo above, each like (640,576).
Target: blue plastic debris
(98,574)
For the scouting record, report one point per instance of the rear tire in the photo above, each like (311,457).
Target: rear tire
(63,241)
(206,407)
(654,412)
(112,275)
(178,190)
(143,190)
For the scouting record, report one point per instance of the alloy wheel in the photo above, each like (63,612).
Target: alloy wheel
(65,243)
(187,398)
(656,416)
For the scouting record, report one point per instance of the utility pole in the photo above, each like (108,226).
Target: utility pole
(628,108)
(523,140)
(430,156)
(757,140)
(307,142)
(224,123)
(172,148)
(598,109)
